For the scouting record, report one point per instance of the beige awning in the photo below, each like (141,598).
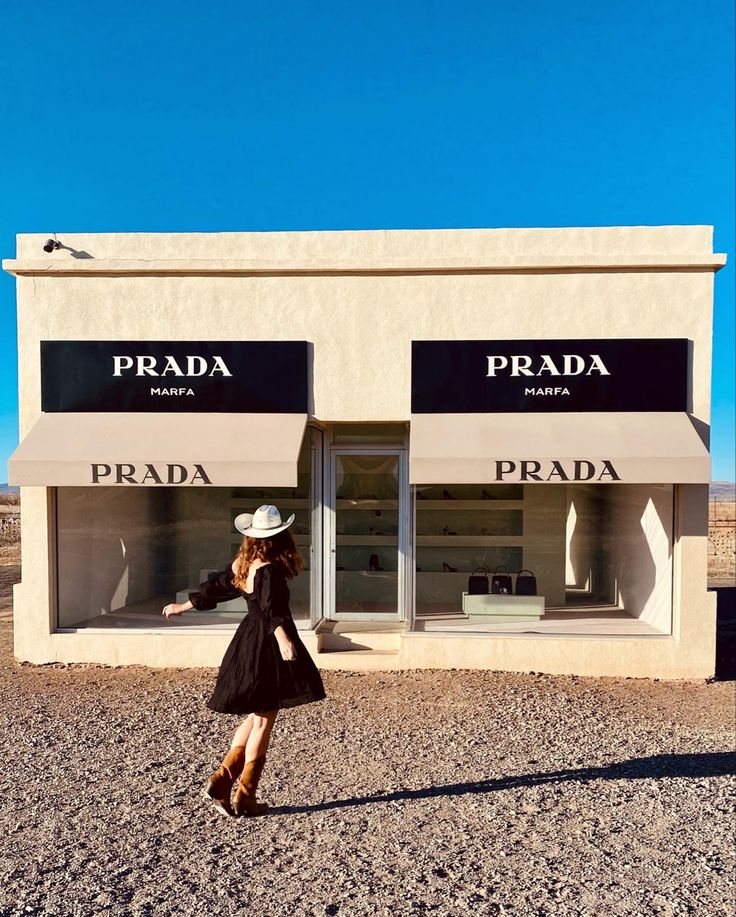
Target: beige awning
(635,448)
(224,450)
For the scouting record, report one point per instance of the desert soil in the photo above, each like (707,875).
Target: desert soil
(722,543)
(446,793)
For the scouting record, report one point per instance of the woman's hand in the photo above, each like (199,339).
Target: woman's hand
(176,609)
(288,650)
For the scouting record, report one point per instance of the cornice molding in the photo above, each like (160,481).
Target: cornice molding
(91,267)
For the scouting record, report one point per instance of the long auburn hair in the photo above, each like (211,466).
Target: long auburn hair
(281,549)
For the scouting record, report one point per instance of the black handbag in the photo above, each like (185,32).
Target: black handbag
(526,583)
(501,581)
(478,582)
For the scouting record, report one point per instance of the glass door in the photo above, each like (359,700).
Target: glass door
(367,535)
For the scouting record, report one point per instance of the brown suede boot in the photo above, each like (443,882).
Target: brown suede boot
(221,782)
(244,800)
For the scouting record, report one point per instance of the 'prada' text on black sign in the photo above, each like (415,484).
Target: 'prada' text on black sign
(229,377)
(641,374)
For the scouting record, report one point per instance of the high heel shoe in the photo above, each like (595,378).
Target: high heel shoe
(373,562)
(447,495)
(446,568)
(446,530)
(486,496)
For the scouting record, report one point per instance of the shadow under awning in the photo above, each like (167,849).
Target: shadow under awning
(604,447)
(223,450)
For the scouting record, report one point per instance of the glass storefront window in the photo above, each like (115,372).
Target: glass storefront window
(367,509)
(600,550)
(125,552)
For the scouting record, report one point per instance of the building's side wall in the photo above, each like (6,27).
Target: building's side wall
(361,328)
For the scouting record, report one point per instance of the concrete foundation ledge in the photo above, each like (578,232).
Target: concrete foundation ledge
(616,656)
(186,648)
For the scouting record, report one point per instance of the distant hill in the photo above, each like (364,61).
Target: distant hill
(723,490)
(7,489)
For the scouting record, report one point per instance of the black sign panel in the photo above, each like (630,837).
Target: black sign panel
(544,376)
(175,376)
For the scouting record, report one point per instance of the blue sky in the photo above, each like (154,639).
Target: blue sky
(164,116)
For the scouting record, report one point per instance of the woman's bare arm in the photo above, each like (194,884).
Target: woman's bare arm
(176,608)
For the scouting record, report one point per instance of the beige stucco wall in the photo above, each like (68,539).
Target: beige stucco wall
(340,315)
(361,298)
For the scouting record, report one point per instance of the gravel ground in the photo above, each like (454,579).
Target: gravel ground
(446,793)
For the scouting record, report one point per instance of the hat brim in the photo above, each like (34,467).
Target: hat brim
(243,523)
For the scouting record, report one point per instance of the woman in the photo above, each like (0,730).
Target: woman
(266,666)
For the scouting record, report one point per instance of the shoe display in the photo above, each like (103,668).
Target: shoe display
(463,531)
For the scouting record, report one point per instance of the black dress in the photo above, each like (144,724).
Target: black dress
(253,675)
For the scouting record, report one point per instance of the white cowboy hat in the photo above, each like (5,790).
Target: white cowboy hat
(266,521)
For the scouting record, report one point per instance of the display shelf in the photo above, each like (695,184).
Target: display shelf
(470,541)
(508,607)
(365,503)
(429,574)
(376,574)
(360,540)
(469,504)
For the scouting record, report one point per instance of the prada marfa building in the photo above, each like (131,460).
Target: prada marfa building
(528,408)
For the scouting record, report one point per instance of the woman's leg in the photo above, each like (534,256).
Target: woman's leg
(260,734)
(220,783)
(244,802)
(242,732)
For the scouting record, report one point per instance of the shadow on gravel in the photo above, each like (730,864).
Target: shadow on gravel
(719,764)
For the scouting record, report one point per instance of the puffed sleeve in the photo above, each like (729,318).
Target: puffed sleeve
(273,597)
(218,588)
